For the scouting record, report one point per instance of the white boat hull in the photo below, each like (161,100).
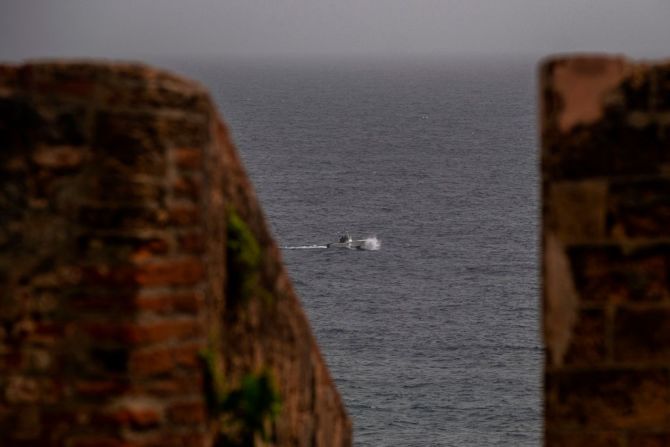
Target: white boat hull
(360,244)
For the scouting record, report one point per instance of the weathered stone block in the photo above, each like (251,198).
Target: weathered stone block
(605,123)
(116,185)
(152,361)
(187,412)
(654,439)
(639,209)
(187,158)
(133,140)
(135,248)
(138,334)
(642,335)
(77,81)
(166,302)
(191,242)
(585,127)
(106,184)
(185,130)
(122,217)
(161,92)
(589,439)
(99,389)
(187,187)
(59,157)
(580,210)
(607,399)
(588,345)
(611,273)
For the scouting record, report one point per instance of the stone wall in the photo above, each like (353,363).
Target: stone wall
(143,301)
(606,238)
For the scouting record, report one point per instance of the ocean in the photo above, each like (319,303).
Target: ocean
(433,338)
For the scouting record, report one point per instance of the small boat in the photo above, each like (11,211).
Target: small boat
(345,241)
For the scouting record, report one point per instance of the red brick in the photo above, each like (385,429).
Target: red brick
(75,88)
(187,413)
(21,390)
(184,215)
(12,359)
(101,387)
(588,439)
(188,158)
(9,78)
(154,303)
(144,170)
(133,140)
(103,331)
(176,302)
(58,157)
(105,301)
(649,439)
(190,304)
(48,331)
(187,355)
(147,362)
(109,275)
(144,418)
(171,273)
(139,333)
(137,416)
(187,187)
(186,384)
(70,80)
(608,273)
(194,440)
(587,343)
(114,185)
(184,129)
(97,441)
(191,243)
(640,208)
(642,334)
(156,93)
(167,330)
(130,217)
(607,399)
(171,440)
(147,248)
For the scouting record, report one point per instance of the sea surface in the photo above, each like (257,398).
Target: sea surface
(433,339)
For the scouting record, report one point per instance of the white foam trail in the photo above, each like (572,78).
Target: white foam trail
(372,243)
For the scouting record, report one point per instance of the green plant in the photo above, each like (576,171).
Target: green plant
(251,407)
(243,412)
(213,380)
(243,256)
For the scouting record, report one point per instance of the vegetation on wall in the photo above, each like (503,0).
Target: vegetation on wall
(244,413)
(243,257)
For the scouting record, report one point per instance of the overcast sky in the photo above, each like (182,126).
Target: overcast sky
(144,28)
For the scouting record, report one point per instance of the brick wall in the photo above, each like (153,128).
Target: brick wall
(606,238)
(141,293)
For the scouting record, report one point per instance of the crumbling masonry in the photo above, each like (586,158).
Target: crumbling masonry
(606,239)
(143,301)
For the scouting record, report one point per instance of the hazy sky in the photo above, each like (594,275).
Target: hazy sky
(140,28)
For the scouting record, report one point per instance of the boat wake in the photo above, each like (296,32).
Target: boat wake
(371,243)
